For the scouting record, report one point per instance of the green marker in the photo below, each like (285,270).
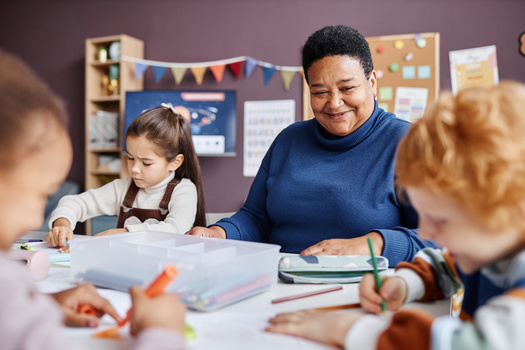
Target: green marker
(376,272)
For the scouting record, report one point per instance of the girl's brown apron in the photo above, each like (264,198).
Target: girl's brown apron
(127,210)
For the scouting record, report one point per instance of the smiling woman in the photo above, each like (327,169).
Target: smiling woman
(327,184)
(342,96)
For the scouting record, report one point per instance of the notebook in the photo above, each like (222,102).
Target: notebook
(327,268)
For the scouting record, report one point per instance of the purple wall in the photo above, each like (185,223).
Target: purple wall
(50,36)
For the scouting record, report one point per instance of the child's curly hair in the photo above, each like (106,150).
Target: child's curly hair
(471,148)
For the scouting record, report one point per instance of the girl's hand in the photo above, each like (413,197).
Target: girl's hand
(59,233)
(70,300)
(324,327)
(112,231)
(164,311)
(394,291)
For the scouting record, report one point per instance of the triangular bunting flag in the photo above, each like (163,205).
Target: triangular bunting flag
(268,73)
(251,63)
(140,69)
(287,77)
(218,71)
(159,72)
(198,73)
(178,74)
(236,68)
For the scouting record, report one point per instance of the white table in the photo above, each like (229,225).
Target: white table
(237,326)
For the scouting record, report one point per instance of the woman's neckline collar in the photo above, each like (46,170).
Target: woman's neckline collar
(334,142)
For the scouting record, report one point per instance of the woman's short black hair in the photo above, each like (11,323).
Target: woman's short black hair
(335,41)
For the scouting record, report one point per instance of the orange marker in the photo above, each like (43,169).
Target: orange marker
(155,288)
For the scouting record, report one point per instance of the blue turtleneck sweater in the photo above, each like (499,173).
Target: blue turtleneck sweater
(313,186)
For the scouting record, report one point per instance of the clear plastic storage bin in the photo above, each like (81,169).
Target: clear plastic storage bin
(212,272)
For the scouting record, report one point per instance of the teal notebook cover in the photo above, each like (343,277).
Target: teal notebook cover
(328,268)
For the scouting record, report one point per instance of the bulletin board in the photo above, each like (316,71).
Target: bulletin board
(407,61)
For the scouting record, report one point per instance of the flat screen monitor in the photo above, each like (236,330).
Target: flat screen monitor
(211,115)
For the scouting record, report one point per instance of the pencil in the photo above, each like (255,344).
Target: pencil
(338,307)
(376,272)
(305,295)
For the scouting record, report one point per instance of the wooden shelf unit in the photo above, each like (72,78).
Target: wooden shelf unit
(97,99)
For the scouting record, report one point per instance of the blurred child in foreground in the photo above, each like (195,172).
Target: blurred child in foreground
(36,154)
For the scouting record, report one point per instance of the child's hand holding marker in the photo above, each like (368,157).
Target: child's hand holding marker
(153,308)
(60,234)
(66,248)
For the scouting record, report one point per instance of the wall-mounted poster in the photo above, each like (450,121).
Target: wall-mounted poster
(211,115)
(410,103)
(473,67)
(263,120)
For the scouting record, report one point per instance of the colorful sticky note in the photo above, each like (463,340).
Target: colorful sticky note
(385,93)
(423,72)
(383,106)
(409,72)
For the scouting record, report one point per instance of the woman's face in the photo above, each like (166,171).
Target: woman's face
(341,96)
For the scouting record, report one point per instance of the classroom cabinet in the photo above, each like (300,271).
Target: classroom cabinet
(108,77)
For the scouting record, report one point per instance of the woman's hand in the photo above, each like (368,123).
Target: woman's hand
(394,291)
(213,231)
(164,311)
(324,327)
(350,246)
(112,231)
(60,232)
(70,300)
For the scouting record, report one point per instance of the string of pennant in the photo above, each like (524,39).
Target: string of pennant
(198,69)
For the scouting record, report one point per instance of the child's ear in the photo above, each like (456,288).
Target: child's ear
(176,163)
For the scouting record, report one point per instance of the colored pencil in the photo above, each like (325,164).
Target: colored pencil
(338,307)
(376,272)
(305,295)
